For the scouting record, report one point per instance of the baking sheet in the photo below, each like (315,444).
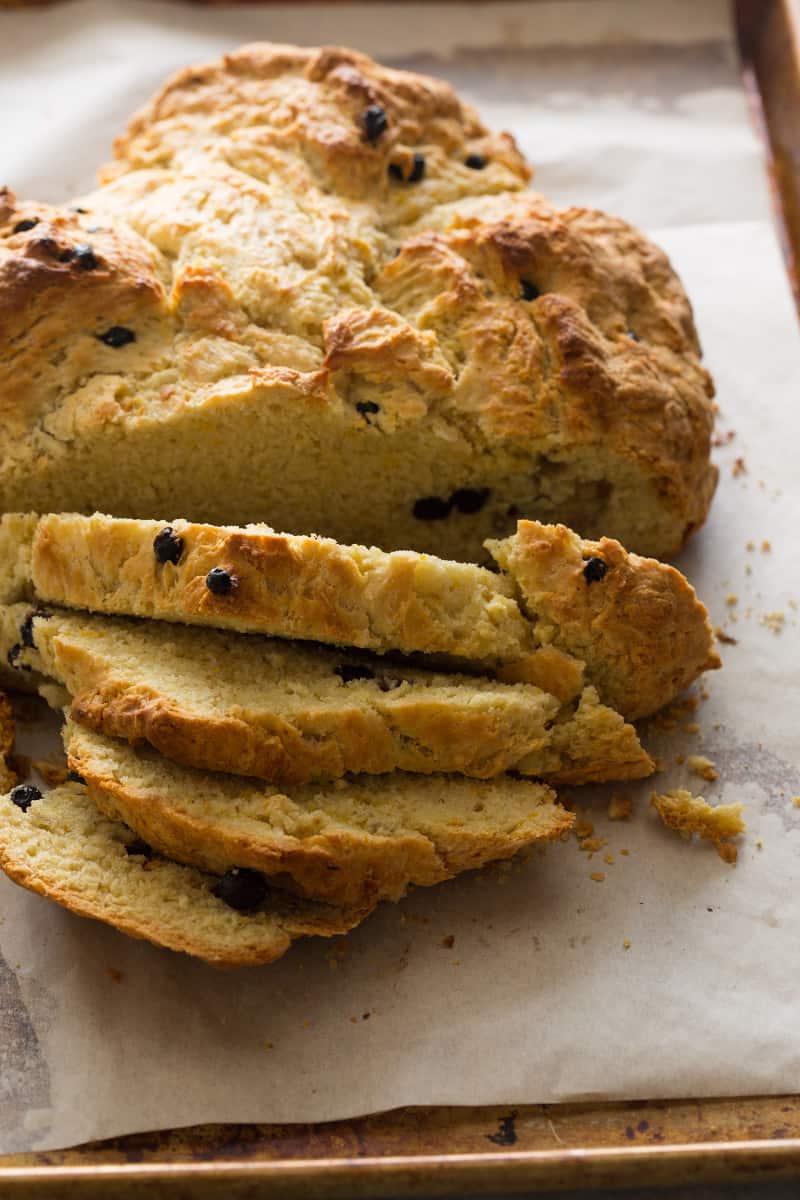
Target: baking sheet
(537,999)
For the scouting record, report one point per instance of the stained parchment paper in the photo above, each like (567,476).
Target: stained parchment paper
(637,108)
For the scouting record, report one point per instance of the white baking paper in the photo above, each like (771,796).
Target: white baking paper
(508,986)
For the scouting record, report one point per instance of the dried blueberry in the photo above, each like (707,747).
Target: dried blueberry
(594,569)
(137,846)
(241,889)
(469,500)
(529,290)
(388,683)
(365,407)
(431,508)
(76,208)
(66,255)
(415,174)
(13,658)
(25,225)
(74,777)
(168,546)
(117,336)
(347,672)
(475,162)
(374,121)
(633,336)
(220,582)
(85,257)
(24,795)
(26,629)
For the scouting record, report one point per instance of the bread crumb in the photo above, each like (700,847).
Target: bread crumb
(620,807)
(269,1045)
(702,766)
(689,814)
(766,546)
(750,544)
(773,621)
(727,852)
(692,727)
(583,829)
(739,467)
(759,844)
(796,801)
(626,944)
(593,845)
(625,851)
(725,638)
(609,859)
(114,975)
(448,942)
(731,598)
(597,876)
(748,570)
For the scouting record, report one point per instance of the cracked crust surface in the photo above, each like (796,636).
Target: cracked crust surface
(62,847)
(441,356)
(291,714)
(640,627)
(352,842)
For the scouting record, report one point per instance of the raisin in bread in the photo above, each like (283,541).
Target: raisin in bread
(351,842)
(292,713)
(315,292)
(62,847)
(633,626)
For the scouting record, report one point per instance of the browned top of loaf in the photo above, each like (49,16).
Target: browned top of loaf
(254,240)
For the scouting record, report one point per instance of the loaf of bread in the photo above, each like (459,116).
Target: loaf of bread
(293,713)
(352,842)
(561,612)
(315,292)
(62,847)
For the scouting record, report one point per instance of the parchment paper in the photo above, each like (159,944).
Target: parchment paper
(637,108)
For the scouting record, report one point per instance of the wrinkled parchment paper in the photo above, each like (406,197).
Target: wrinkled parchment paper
(633,107)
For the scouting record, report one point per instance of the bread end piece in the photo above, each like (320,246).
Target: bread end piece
(636,622)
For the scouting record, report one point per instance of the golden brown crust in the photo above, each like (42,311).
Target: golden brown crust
(636,623)
(285,585)
(306,105)
(64,849)
(443,354)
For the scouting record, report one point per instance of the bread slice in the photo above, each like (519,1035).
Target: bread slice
(291,713)
(293,586)
(636,623)
(62,847)
(351,842)
(312,291)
